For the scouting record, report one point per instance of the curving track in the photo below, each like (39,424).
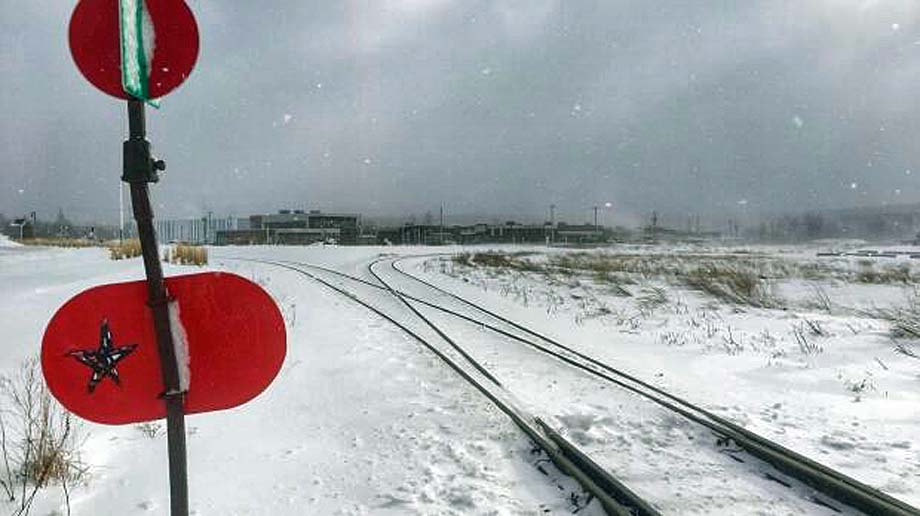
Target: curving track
(832,483)
(615,498)
(839,491)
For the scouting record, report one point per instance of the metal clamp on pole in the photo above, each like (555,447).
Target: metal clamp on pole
(139,165)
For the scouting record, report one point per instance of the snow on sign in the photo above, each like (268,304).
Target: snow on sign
(133,48)
(100,358)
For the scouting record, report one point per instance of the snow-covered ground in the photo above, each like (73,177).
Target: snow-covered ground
(6,242)
(362,420)
(359,421)
(827,381)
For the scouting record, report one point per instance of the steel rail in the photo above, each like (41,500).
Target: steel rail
(614,497)
(832,483)
(598,474)
(836,487)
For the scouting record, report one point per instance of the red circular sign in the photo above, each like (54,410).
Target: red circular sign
(96,48)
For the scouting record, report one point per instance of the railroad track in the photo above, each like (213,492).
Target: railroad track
(832,483)
(836,486)
(614,497)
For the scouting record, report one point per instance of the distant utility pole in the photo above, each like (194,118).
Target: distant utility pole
(121,211)
(550,236)
(442,224)
(595,219)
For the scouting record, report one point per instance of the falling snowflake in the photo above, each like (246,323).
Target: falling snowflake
(797,120)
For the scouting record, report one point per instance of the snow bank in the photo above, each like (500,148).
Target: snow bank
(6,242)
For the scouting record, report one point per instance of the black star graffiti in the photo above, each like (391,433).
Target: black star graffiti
(103,359)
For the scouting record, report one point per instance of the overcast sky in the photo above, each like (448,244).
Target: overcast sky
(500,107)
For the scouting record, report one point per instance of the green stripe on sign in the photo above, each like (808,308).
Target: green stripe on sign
(134,72)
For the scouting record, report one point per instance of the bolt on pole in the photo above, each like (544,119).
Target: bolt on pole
(140,169)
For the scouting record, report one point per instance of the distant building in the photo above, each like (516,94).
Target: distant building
(507,233)
(243,237)
(22,228)
(578,234)
(202,230)
(295,227)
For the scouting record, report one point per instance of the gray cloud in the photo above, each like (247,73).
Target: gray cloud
(507,106)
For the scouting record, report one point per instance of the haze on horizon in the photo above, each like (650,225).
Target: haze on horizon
(500,107)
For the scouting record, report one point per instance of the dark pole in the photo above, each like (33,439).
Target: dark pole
(139,170)
(552,223)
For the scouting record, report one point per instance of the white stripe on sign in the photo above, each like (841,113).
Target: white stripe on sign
(137,46)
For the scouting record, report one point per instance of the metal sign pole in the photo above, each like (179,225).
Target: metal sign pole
(139,170)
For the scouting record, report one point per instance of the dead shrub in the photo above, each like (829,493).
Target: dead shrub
(650,299)
(807,347)
(150,429)
(185,254)
(38,440)
(733,284)
(461,259)
(495,260)
(867,273)
(904,319)
(124,249)
(819,299)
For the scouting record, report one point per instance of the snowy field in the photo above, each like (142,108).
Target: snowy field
(362,420)
(359,421)
(808,361)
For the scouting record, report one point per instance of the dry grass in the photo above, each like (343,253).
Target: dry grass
(615,283)
(744,278)
(666,265)
(151,429)
(514,261)
(59,242)
(734,284)
(184,254)
(904,319)
(124,249)
(38,439)
(868,273)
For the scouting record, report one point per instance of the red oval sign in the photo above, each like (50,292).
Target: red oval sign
(100,357)
(95,46)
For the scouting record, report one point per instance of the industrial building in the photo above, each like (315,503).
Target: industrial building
(508,232)
(299,227)
(295,227)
